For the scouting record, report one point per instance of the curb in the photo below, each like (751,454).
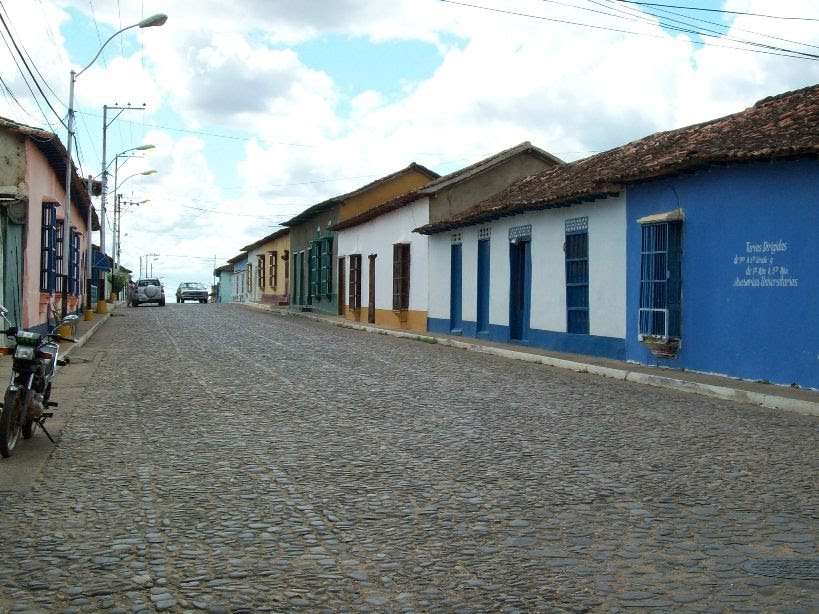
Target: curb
(83,339)
(726,393)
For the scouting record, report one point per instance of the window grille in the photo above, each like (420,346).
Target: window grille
(577,276)
(660,280)
(485,233)
(260,272)
(74,263)
(326,266)
(48,248)
(355,282)
(520,233)
(58,257)
(400,276)
(273,269)
(314,266)
(321,266)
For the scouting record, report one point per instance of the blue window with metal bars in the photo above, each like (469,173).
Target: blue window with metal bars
(661,280)
(74,260)
(577,276)
(58,243)
(48,248)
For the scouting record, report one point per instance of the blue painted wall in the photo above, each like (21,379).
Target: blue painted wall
(750,270)
(592,345)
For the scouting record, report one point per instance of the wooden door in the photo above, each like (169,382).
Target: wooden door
(342,290)
(371,297)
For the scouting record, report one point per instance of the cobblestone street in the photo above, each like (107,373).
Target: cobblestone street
(229,460)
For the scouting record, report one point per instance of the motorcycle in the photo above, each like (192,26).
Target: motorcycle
(36,357)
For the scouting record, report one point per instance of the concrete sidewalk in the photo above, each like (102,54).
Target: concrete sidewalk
(756,393)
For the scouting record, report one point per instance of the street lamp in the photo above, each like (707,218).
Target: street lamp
(155,20)
(154,256)
(89,266)
(117,213)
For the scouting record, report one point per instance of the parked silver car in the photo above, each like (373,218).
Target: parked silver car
(191,291)
(148,290)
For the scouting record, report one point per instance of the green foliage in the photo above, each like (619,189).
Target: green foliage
(118,280)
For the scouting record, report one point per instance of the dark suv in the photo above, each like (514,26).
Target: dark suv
(191,291)
(148,290)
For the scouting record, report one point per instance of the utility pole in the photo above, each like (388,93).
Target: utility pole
(101,305)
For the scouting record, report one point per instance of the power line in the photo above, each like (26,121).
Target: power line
(773,50)
(698,30)
(28,69)
(696,8)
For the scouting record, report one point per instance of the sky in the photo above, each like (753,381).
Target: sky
(259,109)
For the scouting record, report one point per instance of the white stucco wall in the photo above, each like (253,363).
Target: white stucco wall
(378,237)
(607,268)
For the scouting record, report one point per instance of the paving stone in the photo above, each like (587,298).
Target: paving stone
(246,462)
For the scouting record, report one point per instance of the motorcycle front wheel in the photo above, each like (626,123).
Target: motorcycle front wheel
(11,421)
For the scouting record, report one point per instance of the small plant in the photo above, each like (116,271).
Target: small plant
(118,281)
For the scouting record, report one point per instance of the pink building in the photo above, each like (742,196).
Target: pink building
(32,214)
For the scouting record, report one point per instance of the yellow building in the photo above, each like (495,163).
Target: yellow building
(268,268)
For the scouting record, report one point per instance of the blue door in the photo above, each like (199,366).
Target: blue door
(520,290)
(483,287)
(455,291)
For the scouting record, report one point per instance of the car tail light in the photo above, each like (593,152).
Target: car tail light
(8,351)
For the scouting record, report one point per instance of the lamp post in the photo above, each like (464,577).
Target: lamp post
(118,224)
(146,263)
(101,306)
(155,20)
(115,249)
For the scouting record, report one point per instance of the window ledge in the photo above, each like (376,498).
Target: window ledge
(661,347)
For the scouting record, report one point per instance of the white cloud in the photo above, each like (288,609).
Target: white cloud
(231,68)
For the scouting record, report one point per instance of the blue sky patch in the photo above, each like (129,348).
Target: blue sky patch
(358,65)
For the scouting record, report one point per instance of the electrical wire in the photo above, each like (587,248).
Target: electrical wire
(708,32)
(696,8)
(31,74)
(787,53)
(719,25)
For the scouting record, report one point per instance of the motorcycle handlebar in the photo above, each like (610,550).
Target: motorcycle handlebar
(10,331)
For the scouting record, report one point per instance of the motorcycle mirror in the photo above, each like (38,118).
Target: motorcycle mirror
(3,310)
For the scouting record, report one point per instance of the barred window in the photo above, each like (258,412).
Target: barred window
(74,263)
(48,248)
(577,276)
(661,280)
(400,276)
(273,269)
(355,282)
(260,270)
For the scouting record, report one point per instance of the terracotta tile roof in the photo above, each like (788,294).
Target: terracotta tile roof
(273,235)
(440,183)
(54,151)
(311,212)
(778,127)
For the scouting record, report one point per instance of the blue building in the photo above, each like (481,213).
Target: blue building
(691,249)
